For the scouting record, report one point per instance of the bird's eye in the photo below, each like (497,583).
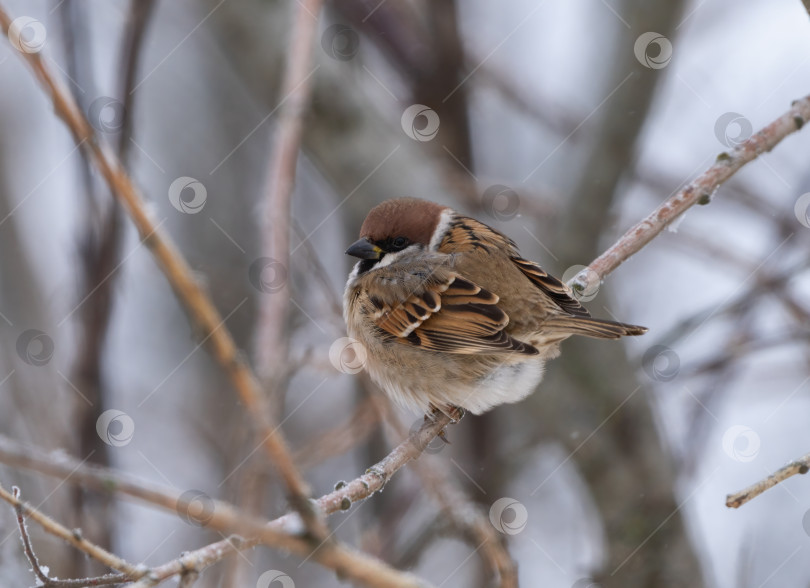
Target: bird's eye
(400,243)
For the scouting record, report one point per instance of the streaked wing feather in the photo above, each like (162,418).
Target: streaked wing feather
(447,313)
(554,288)
(467,234)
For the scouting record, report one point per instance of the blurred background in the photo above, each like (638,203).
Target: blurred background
(561,123)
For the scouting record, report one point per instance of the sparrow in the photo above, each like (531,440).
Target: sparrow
(449,313)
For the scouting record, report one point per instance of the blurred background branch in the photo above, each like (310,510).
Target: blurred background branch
(799,466)
(558,124)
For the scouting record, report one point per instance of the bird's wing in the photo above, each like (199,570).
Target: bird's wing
(436,309)
(467,234)
(551,286)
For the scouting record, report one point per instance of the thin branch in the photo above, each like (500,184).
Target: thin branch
(100,254)
(799,466)
(45,580)
(199,559)
(226,518)
(74,537)
(29,551)
(223,517)
(17,455)
(272,343)
(377,476)
(199,306)
(699,191)
(140,12)
(465,516)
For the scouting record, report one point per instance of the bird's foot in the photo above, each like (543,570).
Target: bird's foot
(455,413)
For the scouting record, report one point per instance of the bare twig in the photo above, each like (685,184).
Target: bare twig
(377,475)
(226,518)
(199,559)
(43,577)
(799,466)
(199,306)
(466,518)
(140,12)
(72,537)
(699,191)
(100,254)
(17,455)
(272,344)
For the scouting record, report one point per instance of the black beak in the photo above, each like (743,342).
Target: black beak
(364,249)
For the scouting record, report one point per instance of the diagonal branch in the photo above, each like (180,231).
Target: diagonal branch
(799,466)
(74,537)
(462,513)
(226,518)
(17,455)
(699,191)
(364,569)
(46,581)
(201,310)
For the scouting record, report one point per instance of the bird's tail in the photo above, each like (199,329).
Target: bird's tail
(592,327)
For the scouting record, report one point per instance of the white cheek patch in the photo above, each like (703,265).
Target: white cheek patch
(445,218)
(390,258)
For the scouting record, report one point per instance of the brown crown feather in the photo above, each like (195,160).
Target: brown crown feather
(412,218)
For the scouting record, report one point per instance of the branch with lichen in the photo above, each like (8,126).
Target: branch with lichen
(699,191)
(799,466)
